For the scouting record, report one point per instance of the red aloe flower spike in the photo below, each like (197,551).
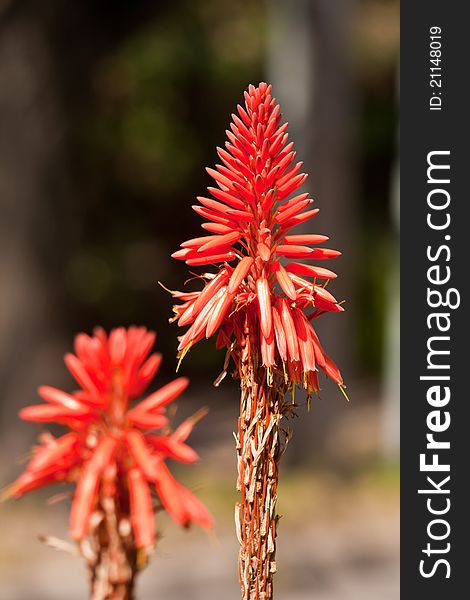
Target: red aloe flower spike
(257,310)
(110,453)
(251,216)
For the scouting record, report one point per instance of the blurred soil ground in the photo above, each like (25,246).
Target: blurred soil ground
(338,536)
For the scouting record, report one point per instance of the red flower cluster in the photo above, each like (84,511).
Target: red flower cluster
(250,216)
(109,450)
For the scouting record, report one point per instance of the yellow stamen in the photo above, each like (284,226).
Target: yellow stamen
(183,354)
(165,288)
(343,392)
(286,379)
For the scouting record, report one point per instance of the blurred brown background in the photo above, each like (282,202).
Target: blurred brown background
(109,112)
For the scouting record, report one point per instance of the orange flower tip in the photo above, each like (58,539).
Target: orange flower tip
(286,212)
(141,510)
(240,272)
(183,431)
(285,282)
(88,487)
(186,318)
(298,219)
(218,313)
(264,252)
(180,254)
(240,214)
(325,253)
(161,397)
(148,420)
(217,228)
(246,194)
(227,197)
(195,242)
(77,369)
(117,345)
(308,238)
(150,367)
(310,270)
(264,302)
(213,258)
(290,333)
(46,413)
(58,397)
(140,451)
(294,251)
(220,242)
(213,215)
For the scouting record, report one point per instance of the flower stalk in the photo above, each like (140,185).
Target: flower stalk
(115,452)
(261,300)
(111,555)
(260,443)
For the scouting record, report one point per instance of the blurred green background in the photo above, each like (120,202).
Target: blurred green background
(109,112)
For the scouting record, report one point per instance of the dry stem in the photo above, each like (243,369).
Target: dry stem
(111,555)
(259,448)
